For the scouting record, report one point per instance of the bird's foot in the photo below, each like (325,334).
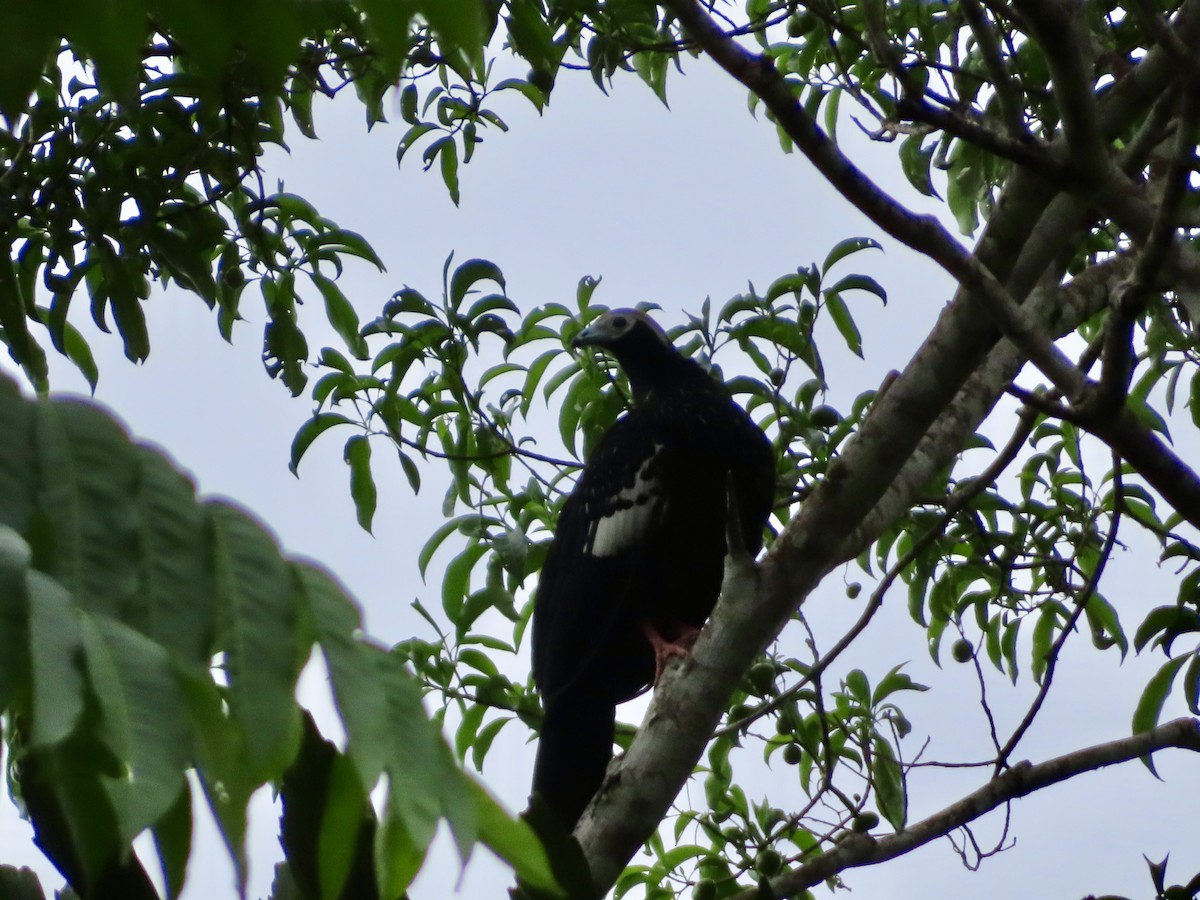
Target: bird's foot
(667,649)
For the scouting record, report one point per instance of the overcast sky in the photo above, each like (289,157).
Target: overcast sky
(666,207)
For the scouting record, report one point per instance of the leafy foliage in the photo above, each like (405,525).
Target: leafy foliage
(149,634)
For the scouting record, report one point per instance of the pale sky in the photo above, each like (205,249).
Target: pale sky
(666,207)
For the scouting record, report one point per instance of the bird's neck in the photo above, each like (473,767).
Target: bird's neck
(651,372)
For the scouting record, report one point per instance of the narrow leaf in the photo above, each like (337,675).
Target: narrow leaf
(362,483)
(1150,705)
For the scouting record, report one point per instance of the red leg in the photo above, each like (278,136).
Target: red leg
(666,649)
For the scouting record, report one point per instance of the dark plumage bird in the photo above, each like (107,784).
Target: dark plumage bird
(638,558)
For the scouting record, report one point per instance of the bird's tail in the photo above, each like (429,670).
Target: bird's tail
(575,748)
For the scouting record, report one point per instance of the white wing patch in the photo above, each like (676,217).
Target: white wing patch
(631,512)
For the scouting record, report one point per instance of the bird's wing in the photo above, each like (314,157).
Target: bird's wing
(582,610)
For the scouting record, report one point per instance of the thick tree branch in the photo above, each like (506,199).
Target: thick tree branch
(1128,99)
(1150,20)
(1021,780)
(922,233)
(851,500)
(1028,152)
(1130,298)
(1059,310)
(1060,29)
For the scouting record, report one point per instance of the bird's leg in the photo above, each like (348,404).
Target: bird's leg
(667,649)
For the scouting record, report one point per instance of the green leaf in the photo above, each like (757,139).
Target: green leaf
(341,315)
(32,46)
(457,579)
(398,855)
(1043,640)
(859,687)
(310,431)
(348,818)
(448,153)
(483,742)
(362,484)
(1150,705)
(352,669)
(71,813)
(1191,684)
(844,322)
(915,160)
(860,283)
(1170,621)
(22,883)
(14,614)
(222,762)
(891,796)
(343,240)
(424,783)
(184,258)
(55,647)
(1105,624)
(459,28)
(530,92)
(408,103)
(93,526)
(467,275)
(1148,416)
(893,682)
(514,842)
(111,33)
(468,730)
(327,828)
(74,345)
(961,199)
(262,638)
(19,454)
(173,841)
(175,607)
(532,36)
(847,247)
(141,722)
(439,536)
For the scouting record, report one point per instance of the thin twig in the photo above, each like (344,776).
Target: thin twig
(1052,655)
(1021,780)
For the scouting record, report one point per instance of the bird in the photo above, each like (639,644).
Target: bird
(637,558)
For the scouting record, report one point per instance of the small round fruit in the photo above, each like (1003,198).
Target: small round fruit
(777,377)
(768,863)
(825,417)
(963,650)
(792,754)
(762,677)
(853,589)
(864,822)
(705,889)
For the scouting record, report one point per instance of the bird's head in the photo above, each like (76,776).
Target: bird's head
(621,328)
(639,344)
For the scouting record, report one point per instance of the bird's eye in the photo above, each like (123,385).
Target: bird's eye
(619,323)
